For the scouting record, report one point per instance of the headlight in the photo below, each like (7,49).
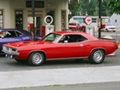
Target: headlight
(5,48)
(10,50)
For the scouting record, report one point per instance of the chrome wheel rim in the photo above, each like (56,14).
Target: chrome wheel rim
(37,58)
(98,55)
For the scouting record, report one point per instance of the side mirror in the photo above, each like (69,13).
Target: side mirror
(66,41)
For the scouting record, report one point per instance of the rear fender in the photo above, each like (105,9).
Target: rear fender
(97,49)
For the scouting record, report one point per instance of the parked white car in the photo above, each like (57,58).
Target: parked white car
(110,27)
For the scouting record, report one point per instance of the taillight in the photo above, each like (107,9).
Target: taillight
(115,43)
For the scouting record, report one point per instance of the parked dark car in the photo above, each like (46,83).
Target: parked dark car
(14,35)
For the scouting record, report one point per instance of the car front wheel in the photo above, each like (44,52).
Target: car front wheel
(36,59)
(97,56)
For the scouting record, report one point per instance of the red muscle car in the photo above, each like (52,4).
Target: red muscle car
(61,45)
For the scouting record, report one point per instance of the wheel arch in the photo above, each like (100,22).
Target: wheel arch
(37,51)
(98,49)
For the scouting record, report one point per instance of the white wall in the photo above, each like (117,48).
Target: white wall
(114,18)
(9,7)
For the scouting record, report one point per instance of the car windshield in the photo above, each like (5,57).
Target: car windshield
(52,37)
(109,24)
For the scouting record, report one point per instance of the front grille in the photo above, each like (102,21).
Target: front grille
(9,49)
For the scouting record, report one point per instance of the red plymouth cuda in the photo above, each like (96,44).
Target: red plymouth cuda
(61,45)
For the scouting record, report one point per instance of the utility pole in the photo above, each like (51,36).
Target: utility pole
(33,14)
(99,32)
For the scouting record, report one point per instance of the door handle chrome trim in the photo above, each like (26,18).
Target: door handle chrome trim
(81,45)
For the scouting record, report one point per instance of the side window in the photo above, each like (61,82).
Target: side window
(9,34)
(64,38)
(72,38)
(19,34)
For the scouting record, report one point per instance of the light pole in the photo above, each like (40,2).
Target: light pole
(99,32)
(33,14)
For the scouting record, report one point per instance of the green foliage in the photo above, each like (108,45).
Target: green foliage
(74,8)
(92,8)
(114,6)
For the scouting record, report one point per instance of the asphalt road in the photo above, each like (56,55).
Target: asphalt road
(95,86)
(7,64)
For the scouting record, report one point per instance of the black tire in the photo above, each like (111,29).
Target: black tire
(20,61)
(36,59)
(97,56)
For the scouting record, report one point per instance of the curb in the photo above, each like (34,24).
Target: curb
(35,78)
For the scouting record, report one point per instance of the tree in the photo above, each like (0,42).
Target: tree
(114,6)
(91,8)
(74,8)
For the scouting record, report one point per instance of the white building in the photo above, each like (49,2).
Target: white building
(115,19)
(15,13)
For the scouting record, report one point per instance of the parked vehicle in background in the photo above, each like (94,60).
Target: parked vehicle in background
(75,26)
(110,27)
(14,35)
(61,45)
(80,19)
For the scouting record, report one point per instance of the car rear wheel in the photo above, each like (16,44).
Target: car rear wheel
(36,59)
(97,56)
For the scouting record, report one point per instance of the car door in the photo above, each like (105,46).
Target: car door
(69,47)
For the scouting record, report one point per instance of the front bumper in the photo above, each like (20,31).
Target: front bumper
(10,51)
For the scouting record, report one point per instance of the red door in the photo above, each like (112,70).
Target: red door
(68,50)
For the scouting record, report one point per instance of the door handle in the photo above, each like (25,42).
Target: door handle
(81,45)
(16,40)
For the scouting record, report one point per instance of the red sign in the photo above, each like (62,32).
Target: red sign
(88,20)
(30,22)
(30,25)
(1,32)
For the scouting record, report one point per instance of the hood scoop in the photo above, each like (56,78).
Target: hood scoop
(26,42)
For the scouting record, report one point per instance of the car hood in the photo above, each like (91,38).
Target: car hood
(25,43)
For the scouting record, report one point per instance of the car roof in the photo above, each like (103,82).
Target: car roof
(75,32)
(22,31)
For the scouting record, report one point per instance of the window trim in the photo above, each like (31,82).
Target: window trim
(2,18)
(22,17)
(17,34)
(73,34)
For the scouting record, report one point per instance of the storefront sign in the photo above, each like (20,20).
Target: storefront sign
(48,20)
(88,20)
(38,4)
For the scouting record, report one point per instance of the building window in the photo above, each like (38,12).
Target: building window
(1,18)
(80,20)
(94,20)
(63,20)
(19,19)
(115,20)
